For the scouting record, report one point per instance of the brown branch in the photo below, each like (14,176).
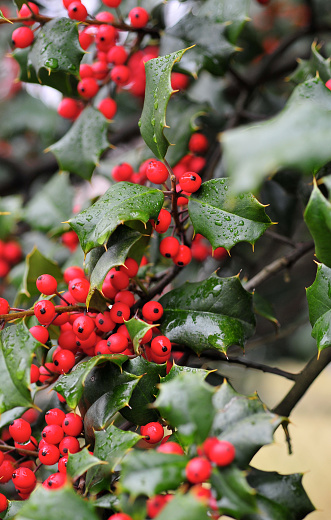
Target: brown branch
(303,381)
(30,312)
(6,447)
(158,288)
(278,265)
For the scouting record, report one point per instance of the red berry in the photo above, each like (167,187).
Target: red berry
(198,143)
(12,251)
(126,297)
(24,478)
(55,481)
(122,172)
(138,17)
(130,267)
(100,70)
(108,107)
(67,340)
(117,343)
(163,221)
(106,35)
(157,172)
(20,430)
(155,505)
(120,312)
(120,74)
(183,257)
(117,55)
(72,424)
(64,360)
(88,87)
(39,333)
(66,3)
(62,464)
(6,471)
(69,108)
(222,453)
(171,447)
(169,247)
(52,434)
(25,11)
(3,503)
(152,311)
(220,253)
(161,346)
(198,470)
(34,373)
(85,39)
(119,516)
(79,288)
(190,182)
(73,272)
(119,279)
(4,268)
(4,306)
(153,432)
(46,284)
(77,11)
(105,16)
(83,326)
(22,37)
(49,454)
(112,3)
(69,445)
(85,71)
(55,416)
(179,81)
(44,311)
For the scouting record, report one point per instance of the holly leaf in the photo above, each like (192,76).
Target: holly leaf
(176,370)
(318,219)
(308,69)
(71,386)
(192,415)
(137,330)
(225,219)
(123,202)
(51,205)
(157,94)
(79,463)
(319,303)
(264,308)
(111,445)
(56,47)
(214,313)
(80,148)
(139,411)
(234,14)
(284,141)
(10,213)
(243,421)
(234,495)
(279,497)
(2,17)
(17,348)
(182,507)
(55,504)
(149,473)
(118,247)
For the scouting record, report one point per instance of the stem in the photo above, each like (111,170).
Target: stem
(174,206)
(30,312)
(7,448)
(303,381)
(278,265)
(280,238)
(158,288)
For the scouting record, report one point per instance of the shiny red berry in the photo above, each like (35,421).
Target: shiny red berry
(117,343)
(157,172)
(170,447)
(88,87)
(44,311)
(198,470)
(55,481)
(24,478)
(22,37)
(161,346)
(120,74)
(52,434)
(153,432)
(55,416)
(64,361)
(69,108)
(4,306)
(108,107)
(20,430)
(122,172)
(198,143)
(152,311)
(130,267)
(120,312)
(222,453)
(169,247)
(163,221)
(69,445)
(79,288)
(138,17)
(3,503)
(190,182)
(183,257)
(72,424)
(46,284)
(77,11)
(49,454)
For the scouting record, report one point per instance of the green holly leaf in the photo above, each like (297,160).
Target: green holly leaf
(308,69)
(285,141)
(17,348)
(150,472)
(61,81)
(10,213)
(60,503)
(157,94)
(139,411)
(2,17)
(12,510)
(318,219)
(118,248)
(176,370)
(279,497)
(226,219)
(80,148)
(51,205)
(264,308)
(234,495)
(214,313)
(71,386)
(319,303)
(56,47)
(111,445)
(192,415)
(137,330)
(79,463)
(182,507)
(123,202)
(243,421)
(234,14)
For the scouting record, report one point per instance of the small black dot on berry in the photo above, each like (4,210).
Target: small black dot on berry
(65,450)
(66,422)
(168,255)
(101,321)
(56,363)
(80,329)
(42,311)
(119,313)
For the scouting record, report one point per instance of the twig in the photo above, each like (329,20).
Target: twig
(278,265)
(30,312)
(158,288)
(280,238)
(303,381)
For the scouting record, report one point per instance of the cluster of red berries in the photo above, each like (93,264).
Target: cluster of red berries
(10,255)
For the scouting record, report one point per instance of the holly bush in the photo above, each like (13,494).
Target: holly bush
(187,168)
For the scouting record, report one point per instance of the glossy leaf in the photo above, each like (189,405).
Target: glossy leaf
(111,445)
(137,330)
(17,347)
(318,219)
(150,472)
(59,503)
(234,14)
(80,148)
(308,69)
(319,303)
(13,509)
(285,141)
(264,308)
(71,386)
(139,410)
(182,507)
(56,47)
(123,202)
(176,370)
(243,421)
(157,94)
(10,210)
(118,247)
(279,497)
(79,463)
(234,495)
(192,414)
(226,219)
(51,205)
(214,313)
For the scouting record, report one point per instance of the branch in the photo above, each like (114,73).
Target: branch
(278,265)
(303,381)
(158,288)
(30,312)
